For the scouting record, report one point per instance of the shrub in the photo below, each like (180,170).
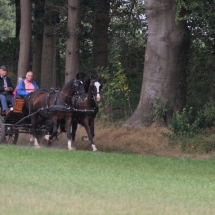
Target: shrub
(183,124)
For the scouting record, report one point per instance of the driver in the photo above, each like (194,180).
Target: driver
(6,91)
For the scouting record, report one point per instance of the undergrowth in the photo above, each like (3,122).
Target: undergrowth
(193,131)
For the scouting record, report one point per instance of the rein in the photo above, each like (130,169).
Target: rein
(58,92)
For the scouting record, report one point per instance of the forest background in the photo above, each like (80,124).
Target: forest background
(114,38)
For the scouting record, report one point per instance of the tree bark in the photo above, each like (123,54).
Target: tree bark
(37,40)
(25,37)
(100,33)
(72,46)
(49,52)
(18,17)
(165,59)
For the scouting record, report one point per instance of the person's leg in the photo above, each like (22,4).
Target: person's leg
(10,99)
(3,101)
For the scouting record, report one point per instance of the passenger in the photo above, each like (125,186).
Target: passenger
(27,85)
(6,91)
(14,92)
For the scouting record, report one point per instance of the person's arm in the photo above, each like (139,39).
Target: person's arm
(9,83)
(35,85)
(20,90)
(1,85)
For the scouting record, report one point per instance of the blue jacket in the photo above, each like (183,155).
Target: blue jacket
(21,88)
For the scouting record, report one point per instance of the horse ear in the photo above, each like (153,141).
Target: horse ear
(82,76)
(78,76)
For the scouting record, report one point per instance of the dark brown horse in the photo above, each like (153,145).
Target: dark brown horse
(85,110)
(56,105)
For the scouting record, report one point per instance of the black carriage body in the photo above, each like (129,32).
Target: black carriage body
(14,123)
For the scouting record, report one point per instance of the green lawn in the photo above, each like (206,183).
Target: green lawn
(46,181)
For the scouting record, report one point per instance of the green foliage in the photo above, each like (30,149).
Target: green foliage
(159,110)
(128,34)
(115,92)
(9,56)
(7,20)
(188,123)
(189,129)
(209,112)
(200,75)
(183,124)
(200,69)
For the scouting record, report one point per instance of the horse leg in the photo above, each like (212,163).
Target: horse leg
(74,129)
(88,130)
(54,132)
(68,125)
(33,122)
(91,124)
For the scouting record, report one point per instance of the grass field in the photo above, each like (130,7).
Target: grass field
(46,181)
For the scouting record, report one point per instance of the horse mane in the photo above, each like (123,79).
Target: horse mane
(70,82)
(87,82)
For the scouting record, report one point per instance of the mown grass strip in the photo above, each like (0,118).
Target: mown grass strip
(45,181)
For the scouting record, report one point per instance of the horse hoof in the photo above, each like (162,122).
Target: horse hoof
(94,148)
(37,147)
(85,138)
(31,139)
(46,137)
(72,149)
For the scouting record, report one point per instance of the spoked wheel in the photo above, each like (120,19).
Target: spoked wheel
(2,130)
(12,138)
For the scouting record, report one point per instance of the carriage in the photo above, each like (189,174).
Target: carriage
(45,110)
(14,123)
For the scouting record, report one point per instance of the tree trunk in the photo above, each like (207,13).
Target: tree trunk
(48,65)
(165,59)
(37,40)
(72,46)
(100,33)
(18,17)
(25,37)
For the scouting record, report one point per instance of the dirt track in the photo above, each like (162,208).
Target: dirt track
(145,141)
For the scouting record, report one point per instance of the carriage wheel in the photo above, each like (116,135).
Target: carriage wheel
(12,138)
(2,130)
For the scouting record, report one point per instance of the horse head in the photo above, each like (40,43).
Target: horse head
(74,87)
(78,88)
(95,86)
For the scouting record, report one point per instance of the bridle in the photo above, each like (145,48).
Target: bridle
(92,85)
(76,88)
(77,93)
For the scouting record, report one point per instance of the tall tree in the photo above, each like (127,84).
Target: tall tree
(100,32)
(25,37)
(37,38)
(72,46)
(18,17)
(165,56)
(49,50)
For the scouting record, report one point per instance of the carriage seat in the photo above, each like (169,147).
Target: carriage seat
(18,105)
